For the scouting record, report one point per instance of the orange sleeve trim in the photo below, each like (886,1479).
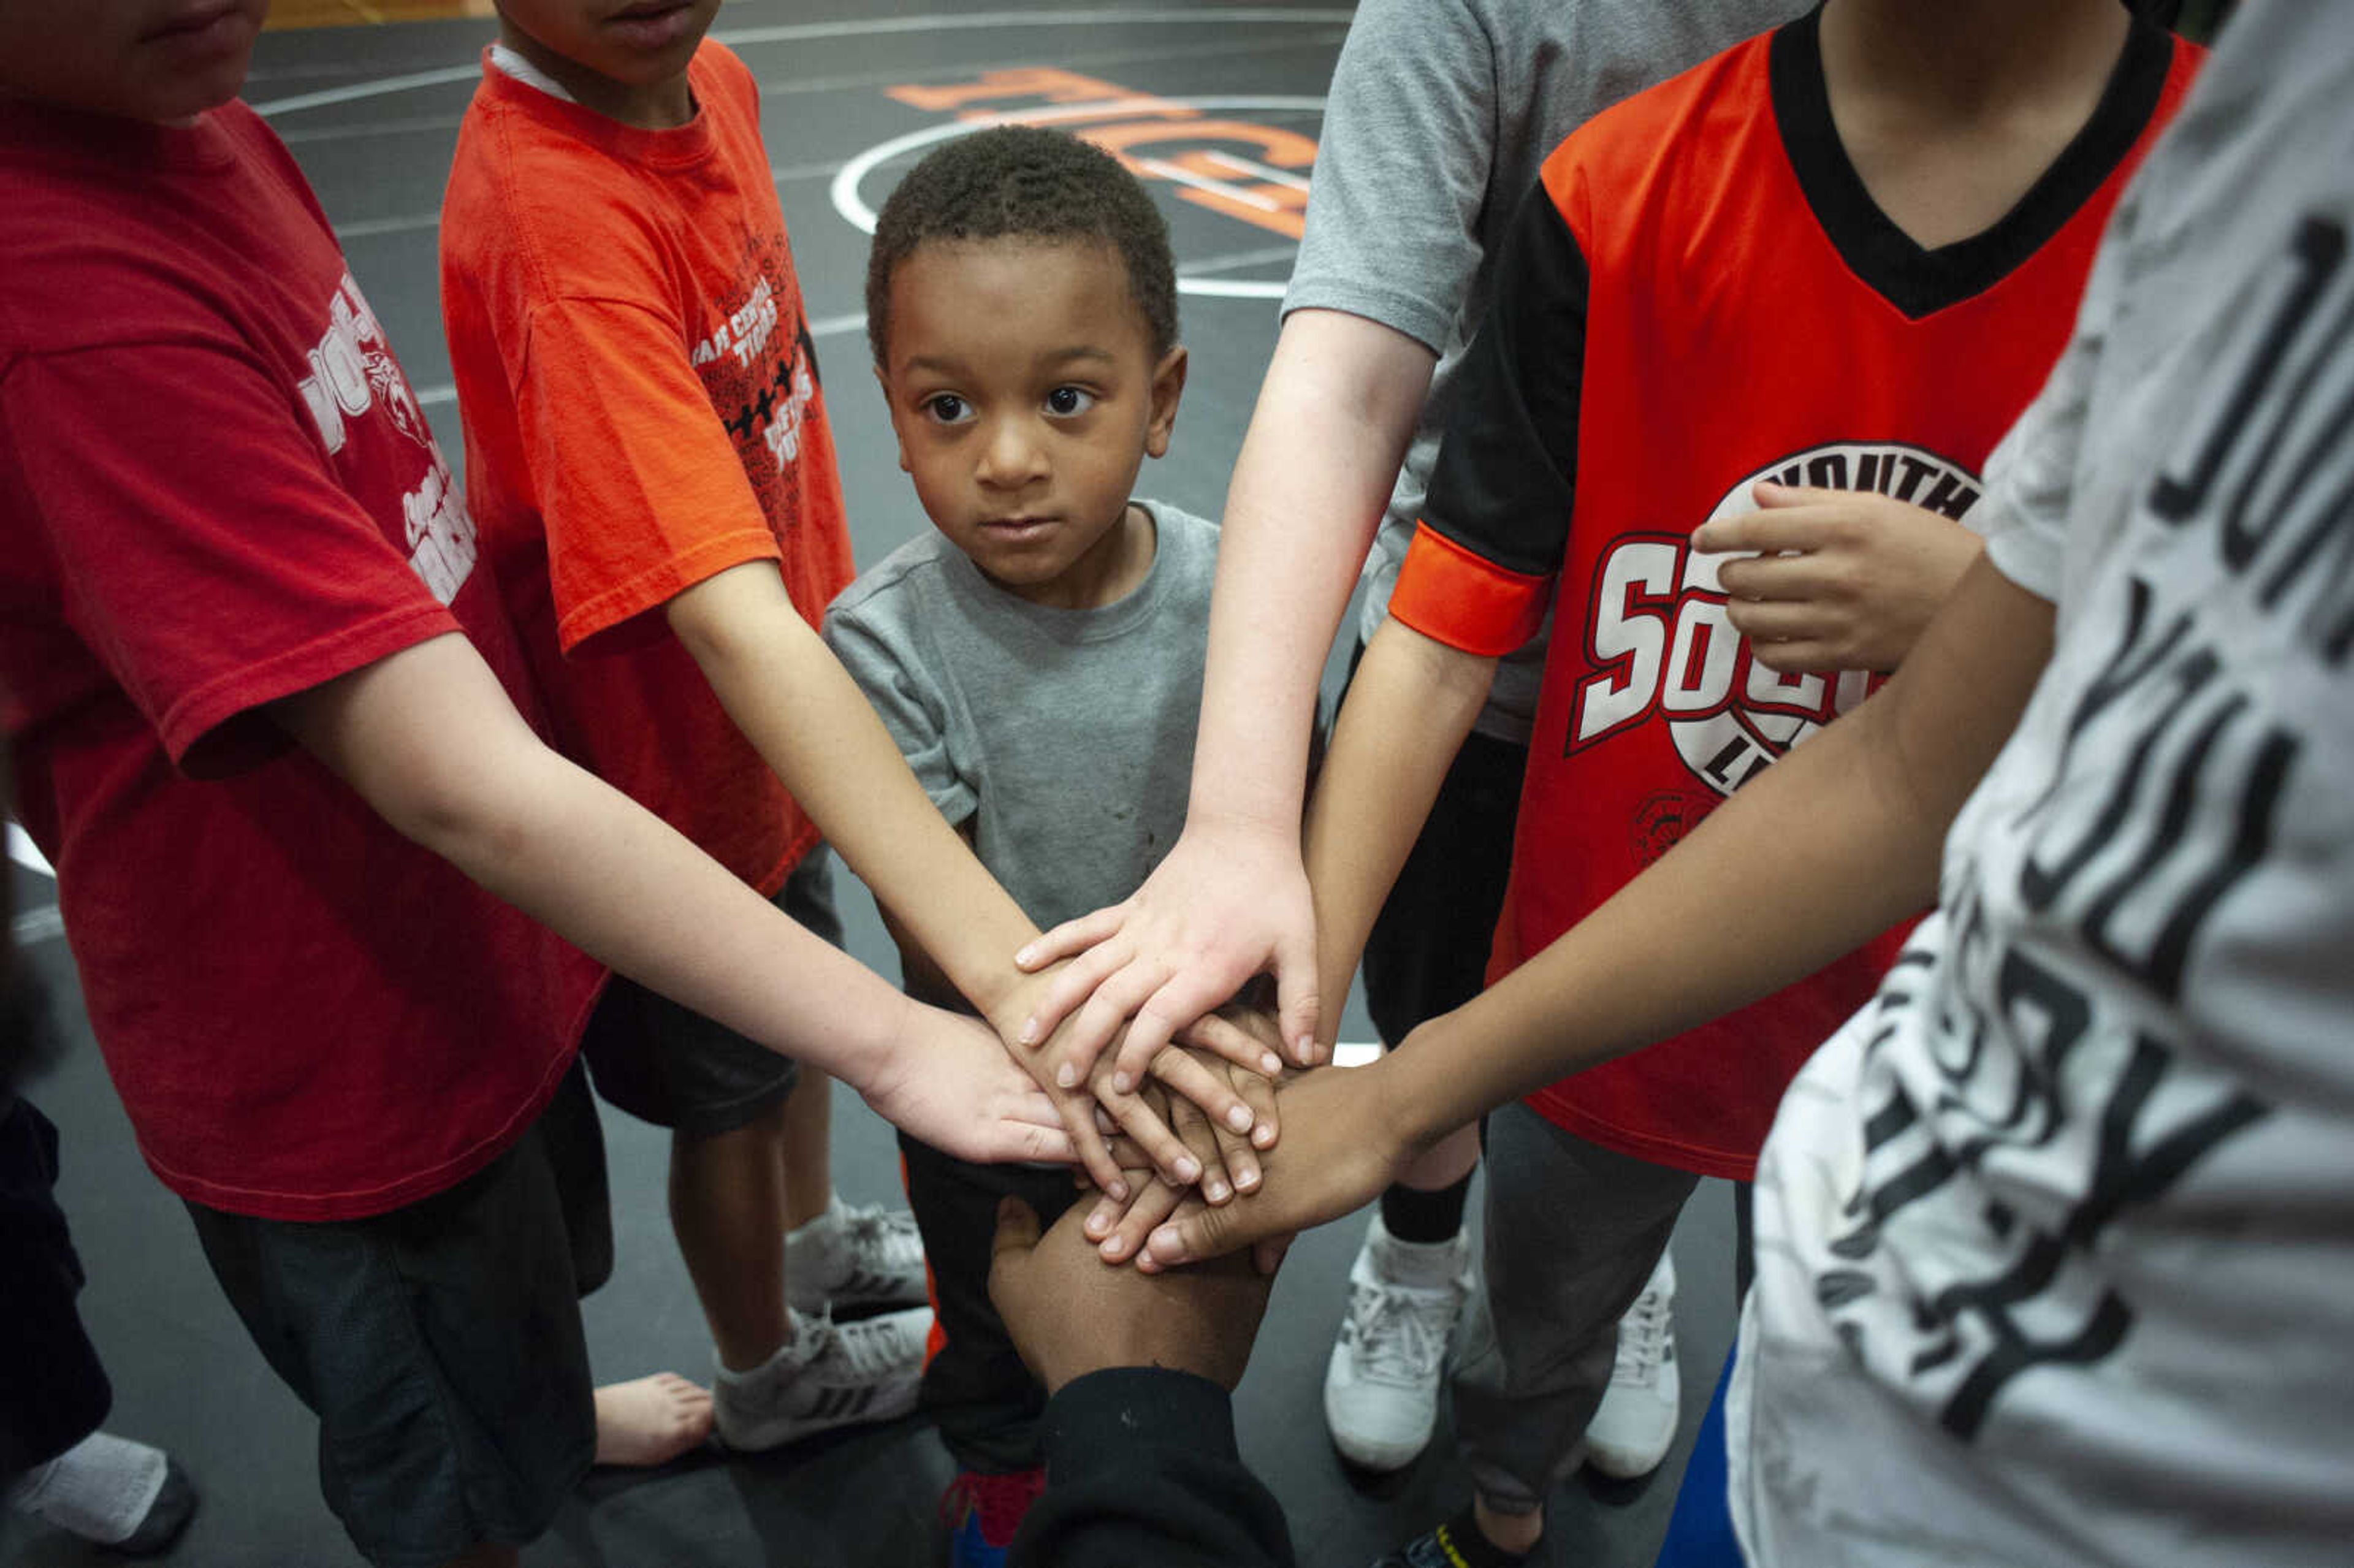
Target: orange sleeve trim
(1464,600)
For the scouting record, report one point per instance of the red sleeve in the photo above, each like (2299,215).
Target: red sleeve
(207,554)
(640,486)
(1465,600)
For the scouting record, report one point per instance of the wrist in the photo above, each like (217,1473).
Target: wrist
(1414,1092)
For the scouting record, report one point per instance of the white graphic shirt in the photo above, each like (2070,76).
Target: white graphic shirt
(2056,1237)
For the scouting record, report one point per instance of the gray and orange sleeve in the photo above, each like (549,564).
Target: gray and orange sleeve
(1480,571)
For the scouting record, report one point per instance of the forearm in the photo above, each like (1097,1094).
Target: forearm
(808,720)
(1832,844)
(429,740)
(1334,416)
(1411,703)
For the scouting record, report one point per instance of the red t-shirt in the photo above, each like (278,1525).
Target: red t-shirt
(216,490)
(1701,294)
(640,397)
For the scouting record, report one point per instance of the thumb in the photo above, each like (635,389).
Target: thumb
(1296,1001)
(1017,1229)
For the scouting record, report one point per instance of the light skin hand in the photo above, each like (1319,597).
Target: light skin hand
(1229,902)
(949,1082)
(1069,1315)
(1842,580)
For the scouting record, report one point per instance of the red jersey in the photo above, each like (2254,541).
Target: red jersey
(1700,295)
(640,396)
(216,490)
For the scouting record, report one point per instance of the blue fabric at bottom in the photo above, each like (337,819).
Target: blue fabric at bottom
(1700,1532)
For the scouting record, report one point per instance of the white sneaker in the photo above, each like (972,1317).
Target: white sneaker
(1380,1389)
(828,1374)
(860,1256)
(1635,1425)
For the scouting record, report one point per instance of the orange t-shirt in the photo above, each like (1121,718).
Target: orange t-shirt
(639,398)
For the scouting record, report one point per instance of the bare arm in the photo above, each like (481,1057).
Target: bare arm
(428,737)
(1413,701)
(808,720)
(1832,843)
(1231,900)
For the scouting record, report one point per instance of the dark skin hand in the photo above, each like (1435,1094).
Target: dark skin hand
(1069,1315)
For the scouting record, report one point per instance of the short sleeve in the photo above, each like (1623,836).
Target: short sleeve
(639,486)
(207,554)
(1402,170)
(1479,573)
(880,658)
(2030,476)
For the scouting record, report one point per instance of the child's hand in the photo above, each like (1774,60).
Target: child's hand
(1227,904)
(1069,1315)
(949,1082)
(1230,1166)
(1842,580)
(1343,1146)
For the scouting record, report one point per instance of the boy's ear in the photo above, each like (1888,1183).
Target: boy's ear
(1168,386)
(892,409)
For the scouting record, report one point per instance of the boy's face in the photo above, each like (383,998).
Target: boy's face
(1026,395)
(638,43)
(144,59)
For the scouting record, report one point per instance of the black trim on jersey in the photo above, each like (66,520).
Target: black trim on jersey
(1507,470)
(1919,282)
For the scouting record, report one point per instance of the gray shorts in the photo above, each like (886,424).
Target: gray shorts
(671,1066)
(440,1345)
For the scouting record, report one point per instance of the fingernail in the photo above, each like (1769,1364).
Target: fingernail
(1262,1137)
(1096,1221)
(1239,1119)
(1163,1240)
(1029,1034)
(1303,1049)
(1188,1172)
(1119,1190)
(1112,1249)
(1124,1083)
(1068,1075)
(1247,1183)
(1216,1191)
(1271,1063)
(1021,959)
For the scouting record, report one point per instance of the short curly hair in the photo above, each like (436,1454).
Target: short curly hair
(1027,183)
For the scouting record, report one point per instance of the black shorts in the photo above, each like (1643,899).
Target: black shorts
(1427,952)
(671,1066)
(988,1409)
(440,1345)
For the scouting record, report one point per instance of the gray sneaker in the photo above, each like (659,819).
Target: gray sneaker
(828,1374)
(854,1256)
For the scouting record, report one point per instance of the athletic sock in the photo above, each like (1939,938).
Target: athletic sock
(1417,1216)
(108,1490)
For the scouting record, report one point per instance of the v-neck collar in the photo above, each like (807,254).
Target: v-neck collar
(1921,281)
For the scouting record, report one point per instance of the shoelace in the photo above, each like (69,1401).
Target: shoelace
(869,1347)
(1401,1334)
(1643,1340)
(871,1228)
